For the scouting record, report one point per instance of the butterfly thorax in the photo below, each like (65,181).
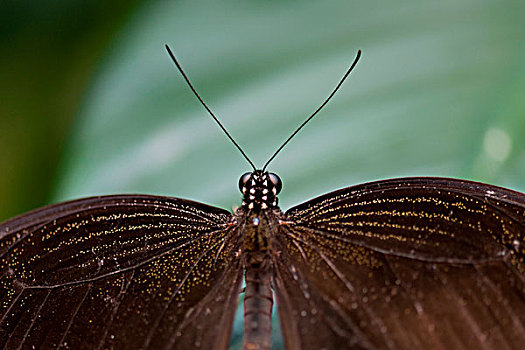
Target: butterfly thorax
(256,240)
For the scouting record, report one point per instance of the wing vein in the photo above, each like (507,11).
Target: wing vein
(66,331)
(33,321)
(348,285)
(172,296)
(123,290)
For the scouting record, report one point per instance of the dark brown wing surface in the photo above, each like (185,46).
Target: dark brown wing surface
(416,263)
(123,272)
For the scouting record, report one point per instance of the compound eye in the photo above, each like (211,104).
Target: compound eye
(276,181)
(243,180)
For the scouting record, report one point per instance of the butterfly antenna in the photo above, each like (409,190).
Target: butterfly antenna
(205,106)
(316,111)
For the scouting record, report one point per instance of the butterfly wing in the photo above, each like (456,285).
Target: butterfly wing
(124,272)
(416,263)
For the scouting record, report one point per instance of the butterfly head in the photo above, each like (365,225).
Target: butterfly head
(259,189)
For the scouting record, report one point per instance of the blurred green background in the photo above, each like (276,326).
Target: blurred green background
(91,104)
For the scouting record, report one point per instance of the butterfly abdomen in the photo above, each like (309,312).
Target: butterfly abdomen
(258,302)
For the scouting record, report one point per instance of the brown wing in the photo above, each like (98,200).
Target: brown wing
(418,263)
(122,272)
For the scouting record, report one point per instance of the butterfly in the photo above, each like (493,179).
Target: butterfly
(410,263)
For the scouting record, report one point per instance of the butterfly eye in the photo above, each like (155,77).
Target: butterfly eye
(276,181)
(244,179)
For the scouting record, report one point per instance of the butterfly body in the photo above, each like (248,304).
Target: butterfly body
(260,215)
